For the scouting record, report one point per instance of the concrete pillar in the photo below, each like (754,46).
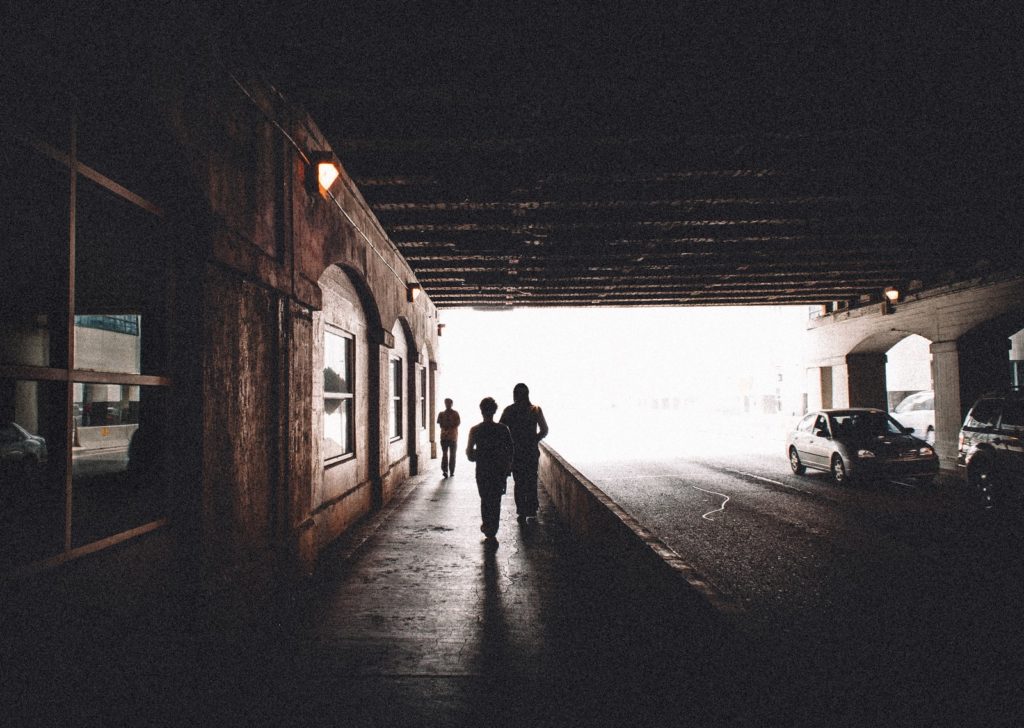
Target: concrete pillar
(946,380)
(412,406)
(984,364)
(1017,359)
(819,388)
(840,384)
(379,346)
(432,405)
(866,380)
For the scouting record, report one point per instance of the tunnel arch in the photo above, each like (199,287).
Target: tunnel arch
(880,342)
(910,384)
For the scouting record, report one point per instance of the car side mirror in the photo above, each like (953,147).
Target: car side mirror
(818,432)
(908,430)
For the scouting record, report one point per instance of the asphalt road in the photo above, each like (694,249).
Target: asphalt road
(905,599)
(103,461)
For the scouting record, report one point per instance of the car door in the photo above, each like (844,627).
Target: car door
(802,438)
(10,444)
(1009,442)
(819,446)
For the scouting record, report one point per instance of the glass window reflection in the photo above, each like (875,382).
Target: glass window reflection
(120,285)
(32,481)
(34,221)
(338,399)
(118,459)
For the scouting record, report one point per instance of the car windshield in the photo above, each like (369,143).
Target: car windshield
(919,401)
(864,424)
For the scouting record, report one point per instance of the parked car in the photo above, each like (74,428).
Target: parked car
(917,410)
(858,443)
(18,445)
(992,446)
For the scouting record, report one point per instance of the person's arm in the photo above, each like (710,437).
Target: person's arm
(458,420)
(542,424)
(470,453)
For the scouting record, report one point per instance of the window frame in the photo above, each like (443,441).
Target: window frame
(350,396)
(69,374)
(395,393)
(423,397)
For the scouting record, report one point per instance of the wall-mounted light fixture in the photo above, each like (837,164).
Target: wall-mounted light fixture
(889,297)
(439,328)
(322,172)
(412,291)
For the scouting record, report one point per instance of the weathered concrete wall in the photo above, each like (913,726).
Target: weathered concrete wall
(937,315)
(264,487)
(240,438)
(397,462)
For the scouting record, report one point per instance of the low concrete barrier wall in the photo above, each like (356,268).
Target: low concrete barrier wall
(100,436)
(598,522)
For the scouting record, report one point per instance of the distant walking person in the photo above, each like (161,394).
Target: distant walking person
(526,423)
(449,420)
(490,447)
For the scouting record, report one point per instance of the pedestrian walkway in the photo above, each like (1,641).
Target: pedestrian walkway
(412,620)
(418,620)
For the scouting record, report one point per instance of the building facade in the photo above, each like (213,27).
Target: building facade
(199,346)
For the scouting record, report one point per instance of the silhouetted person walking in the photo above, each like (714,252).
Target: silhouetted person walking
(526,423)
(490,447)
(449,420)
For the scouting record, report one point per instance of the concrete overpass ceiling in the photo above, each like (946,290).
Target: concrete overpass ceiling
(531,156)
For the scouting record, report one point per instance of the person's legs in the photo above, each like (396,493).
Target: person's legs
(532,502)
(527,503)
(446,446)
(519,478)
(490,510)
(453,449)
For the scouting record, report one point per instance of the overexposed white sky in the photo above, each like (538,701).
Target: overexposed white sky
(588,358)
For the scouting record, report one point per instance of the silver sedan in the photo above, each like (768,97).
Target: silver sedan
(859,443)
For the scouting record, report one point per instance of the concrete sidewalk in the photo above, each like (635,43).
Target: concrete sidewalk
(413,620)
(419,621)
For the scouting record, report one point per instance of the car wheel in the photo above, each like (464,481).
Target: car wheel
(982,478)
(794,462)
(838,470)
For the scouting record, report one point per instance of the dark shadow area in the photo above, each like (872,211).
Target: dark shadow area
(536,631)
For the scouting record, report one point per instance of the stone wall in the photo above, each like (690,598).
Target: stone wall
(252,244)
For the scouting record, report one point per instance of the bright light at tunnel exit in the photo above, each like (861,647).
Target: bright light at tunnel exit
(656,381)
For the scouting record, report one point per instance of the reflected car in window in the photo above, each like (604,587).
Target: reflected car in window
(917,410)
(18,445)
(859,443)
